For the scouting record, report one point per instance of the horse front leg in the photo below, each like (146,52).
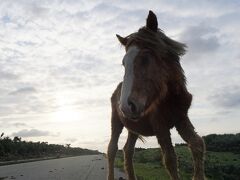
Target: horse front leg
(128,155)
(113,144)
(168,153)
(196,144)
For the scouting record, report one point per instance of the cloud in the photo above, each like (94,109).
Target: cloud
(228,97)
(4,75)
(71,140)
(200,39)
(24,90)
(19,124)
(25,43)
(31,133)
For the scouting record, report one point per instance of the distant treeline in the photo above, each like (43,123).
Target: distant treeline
(12,149)
(221,142)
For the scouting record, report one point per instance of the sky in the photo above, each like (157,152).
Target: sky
(60,61)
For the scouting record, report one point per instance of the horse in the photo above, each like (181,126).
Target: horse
(152,99)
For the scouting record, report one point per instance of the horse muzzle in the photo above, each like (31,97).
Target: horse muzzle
(132,109)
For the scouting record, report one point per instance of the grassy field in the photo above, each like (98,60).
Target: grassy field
(148,165)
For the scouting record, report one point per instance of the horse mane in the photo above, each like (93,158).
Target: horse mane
(161,44)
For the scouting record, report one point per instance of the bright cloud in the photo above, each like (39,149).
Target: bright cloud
(60,62)
(31,133)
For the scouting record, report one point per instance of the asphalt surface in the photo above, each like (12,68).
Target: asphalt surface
(92,167)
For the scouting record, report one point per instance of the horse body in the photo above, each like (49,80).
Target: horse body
(152,99)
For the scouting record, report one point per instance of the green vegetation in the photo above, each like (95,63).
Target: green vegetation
(16,149)
(223,142)
(223,165)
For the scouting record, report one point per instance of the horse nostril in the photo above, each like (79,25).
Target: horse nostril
(132,107)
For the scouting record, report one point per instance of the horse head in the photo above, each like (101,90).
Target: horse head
(147,68)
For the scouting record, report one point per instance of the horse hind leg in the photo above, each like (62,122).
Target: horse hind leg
(168,153)
(128,155)
(196,144)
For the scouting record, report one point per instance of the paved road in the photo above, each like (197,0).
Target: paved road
(74,168)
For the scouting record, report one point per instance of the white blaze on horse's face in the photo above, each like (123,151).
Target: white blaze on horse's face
(128,61)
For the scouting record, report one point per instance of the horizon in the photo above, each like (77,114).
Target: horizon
(61,61)
(65,145)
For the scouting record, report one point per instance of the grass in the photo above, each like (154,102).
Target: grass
(150,171)
(148,165)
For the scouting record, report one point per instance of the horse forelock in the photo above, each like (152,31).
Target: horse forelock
(158,42)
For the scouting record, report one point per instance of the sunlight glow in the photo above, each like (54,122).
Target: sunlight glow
(65,111)
(66,114)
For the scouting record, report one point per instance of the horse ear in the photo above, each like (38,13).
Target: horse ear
(152,22)
(122,40)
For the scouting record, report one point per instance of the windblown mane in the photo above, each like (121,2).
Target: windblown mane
(157,41)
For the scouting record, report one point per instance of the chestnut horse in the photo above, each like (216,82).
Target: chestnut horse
(152,99)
